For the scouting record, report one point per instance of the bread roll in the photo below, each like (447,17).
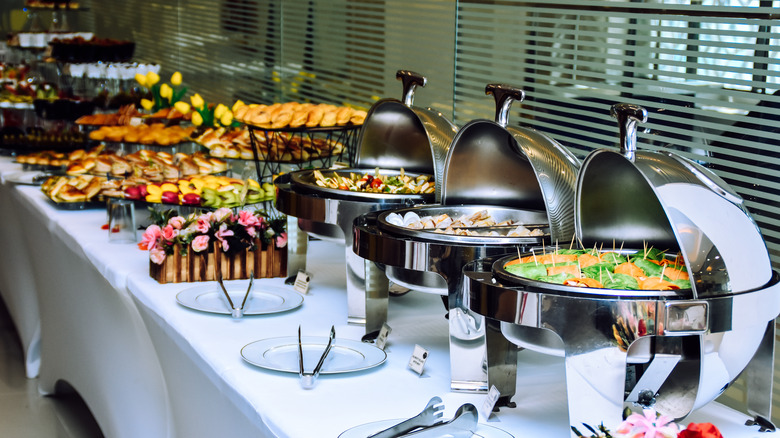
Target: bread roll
(281,119)
(343,115)
(358,117)
(329,118)
(315,117)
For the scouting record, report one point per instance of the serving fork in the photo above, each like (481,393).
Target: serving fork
(308,379)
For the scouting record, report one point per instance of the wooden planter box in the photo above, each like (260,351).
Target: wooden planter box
(177,268)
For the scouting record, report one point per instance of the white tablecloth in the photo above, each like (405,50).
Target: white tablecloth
(17,283)
(149,367)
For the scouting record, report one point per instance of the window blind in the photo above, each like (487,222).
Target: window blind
(707,72)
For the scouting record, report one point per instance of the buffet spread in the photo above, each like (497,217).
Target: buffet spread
(257,209)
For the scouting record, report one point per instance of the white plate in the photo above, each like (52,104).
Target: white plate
(365,430)
(281,354)
(24,177)
(261,301)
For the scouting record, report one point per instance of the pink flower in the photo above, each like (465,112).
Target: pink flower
(200,243)
(221,214)
(247,219)
(221,234)
(149,239)
(648,425)
(157,255)
(251,231)
(281,240)
(203,225)
(169,233)
(176,222)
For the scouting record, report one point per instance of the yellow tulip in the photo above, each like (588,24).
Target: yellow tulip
(237,105)
(147,104)
(219,111)
(197,101)
(166,91)
(197,119)
(141,79)
(226,118)
(182,107)
(176,79)
(152,78)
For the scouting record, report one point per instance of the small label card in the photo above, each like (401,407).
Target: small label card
(381,340)
(417,362)
(302,282)
(490,402)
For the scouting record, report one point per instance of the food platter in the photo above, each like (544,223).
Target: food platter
(281,354)
(497,227)
(306,181)
(506,269)
(368,429)
(262,301)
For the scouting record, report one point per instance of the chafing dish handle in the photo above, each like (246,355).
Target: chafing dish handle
(504,96)
(410,80)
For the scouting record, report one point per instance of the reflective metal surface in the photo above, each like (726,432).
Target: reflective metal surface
(493,163)
(701,356)
(506,170)
(394,135)
(397,134)
(640,197)
(677,350)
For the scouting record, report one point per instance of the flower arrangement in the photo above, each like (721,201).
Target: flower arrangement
(232,233)
(649,424)
(163,95)
(218,115)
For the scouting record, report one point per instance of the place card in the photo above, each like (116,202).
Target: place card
(381,340)
(490,402)
(417,362)
(302,282)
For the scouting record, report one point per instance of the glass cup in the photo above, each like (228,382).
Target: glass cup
(121,221)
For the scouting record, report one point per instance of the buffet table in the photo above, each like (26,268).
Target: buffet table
(147,366)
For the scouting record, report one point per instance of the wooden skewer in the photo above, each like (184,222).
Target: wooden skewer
(571,244)
(661,277)
(536,263)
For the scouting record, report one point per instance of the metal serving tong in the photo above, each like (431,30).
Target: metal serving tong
(429,416)
(308,379)
(462,425)
(237,312)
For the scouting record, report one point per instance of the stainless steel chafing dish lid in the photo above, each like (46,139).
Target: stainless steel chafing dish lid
(491,163)
(660,198)
(398,135)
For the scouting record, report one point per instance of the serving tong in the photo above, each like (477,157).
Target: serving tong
(308,379)
(237,312)
(428,423)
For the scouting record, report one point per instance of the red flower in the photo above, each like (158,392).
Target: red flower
(700,430)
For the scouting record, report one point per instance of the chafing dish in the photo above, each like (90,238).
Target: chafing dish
(511,173)
(395,135)
(694,341)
